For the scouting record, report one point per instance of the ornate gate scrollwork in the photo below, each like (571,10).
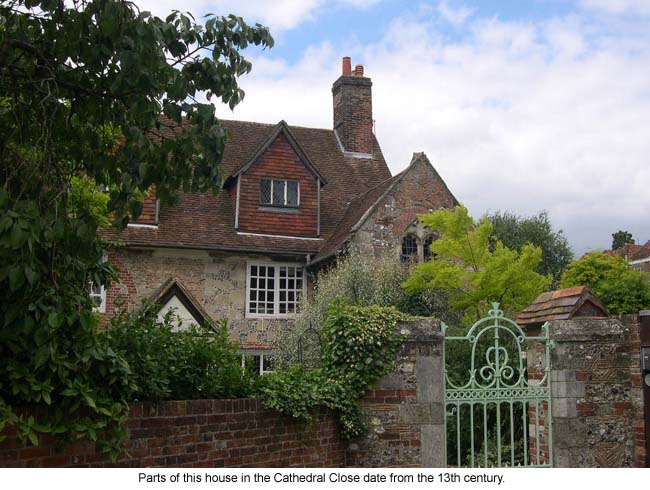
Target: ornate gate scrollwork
(498,395)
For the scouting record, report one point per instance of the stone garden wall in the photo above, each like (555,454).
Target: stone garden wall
(406,407)
(596,393)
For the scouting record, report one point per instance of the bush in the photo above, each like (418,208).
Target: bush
(356,278)
(621,288)
(359,346)
(172,364)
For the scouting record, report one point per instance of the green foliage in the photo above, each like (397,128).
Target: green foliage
(86,196)
(78,76)
(359,343)
(52,349)
(516,231)
(359,346)
(474,269)
(356,277)
(169,363)
(621,288)
(89,92)
(621,238)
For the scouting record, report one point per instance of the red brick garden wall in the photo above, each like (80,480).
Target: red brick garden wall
(198,433)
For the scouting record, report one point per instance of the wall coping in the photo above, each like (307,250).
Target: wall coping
(587,329)
(421,330)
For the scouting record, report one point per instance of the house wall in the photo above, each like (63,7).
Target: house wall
(420,191)
(279,161)
(216,280)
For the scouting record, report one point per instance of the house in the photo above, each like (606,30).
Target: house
(295,197)
(638,256)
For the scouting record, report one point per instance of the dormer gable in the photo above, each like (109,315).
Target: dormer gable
(277,190)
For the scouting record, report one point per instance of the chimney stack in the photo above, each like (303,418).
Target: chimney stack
(353,109)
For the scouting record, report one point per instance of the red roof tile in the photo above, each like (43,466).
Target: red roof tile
(204,221)
(562,304)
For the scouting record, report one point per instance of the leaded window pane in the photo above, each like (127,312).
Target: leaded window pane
(428,254)
(265,191)
(292,193)
(409,249)
(278,192)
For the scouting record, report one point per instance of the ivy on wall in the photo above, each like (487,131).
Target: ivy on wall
(359,343)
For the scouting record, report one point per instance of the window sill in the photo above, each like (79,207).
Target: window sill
(259,316)
(280,209)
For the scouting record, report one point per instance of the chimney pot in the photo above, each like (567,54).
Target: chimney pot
(347,66)
(358,71)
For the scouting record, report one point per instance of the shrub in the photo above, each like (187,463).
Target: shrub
(359,346)
(356,278)
(172,364)
(621,288)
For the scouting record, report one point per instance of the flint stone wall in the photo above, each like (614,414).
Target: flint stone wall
(596,393)
(216,280)
(406,407)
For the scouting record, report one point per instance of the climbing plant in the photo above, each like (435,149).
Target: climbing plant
(359,343)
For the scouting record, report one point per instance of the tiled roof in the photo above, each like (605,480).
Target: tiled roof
(642,253)
(627,251)
(204,221)
(563,304)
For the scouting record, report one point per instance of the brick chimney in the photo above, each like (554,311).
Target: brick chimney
(353,109)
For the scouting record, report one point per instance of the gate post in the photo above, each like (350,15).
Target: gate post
(406,407)
(595,397)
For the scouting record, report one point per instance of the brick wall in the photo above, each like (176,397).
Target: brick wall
(352,97)
(279,161)
(198,433)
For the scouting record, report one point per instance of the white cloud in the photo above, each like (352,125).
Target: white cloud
(618,6)
(454,15)
(278,15)
(518,116)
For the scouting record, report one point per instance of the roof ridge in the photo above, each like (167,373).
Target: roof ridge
(274,124)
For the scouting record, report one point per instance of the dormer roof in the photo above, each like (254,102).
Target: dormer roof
(281,128)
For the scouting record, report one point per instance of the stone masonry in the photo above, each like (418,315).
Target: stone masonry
(596,397)
(216,280)
(406,407)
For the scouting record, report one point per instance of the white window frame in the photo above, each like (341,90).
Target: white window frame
(102,297)
(276,294)
(286,187)
(261,354)
(102,292)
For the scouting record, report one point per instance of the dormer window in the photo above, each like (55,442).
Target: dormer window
(278,192)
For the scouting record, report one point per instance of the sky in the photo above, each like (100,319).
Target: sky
(521,106)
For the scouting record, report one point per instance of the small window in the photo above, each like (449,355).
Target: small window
(98,295)
(409,249)
(261,363)
(275,192)
(428,254)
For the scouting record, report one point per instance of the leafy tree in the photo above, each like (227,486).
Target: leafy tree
(621,238)
(473,269)
(621,288)
(92,92)
(516,231)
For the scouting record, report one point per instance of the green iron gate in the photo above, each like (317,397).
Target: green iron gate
(498,395)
